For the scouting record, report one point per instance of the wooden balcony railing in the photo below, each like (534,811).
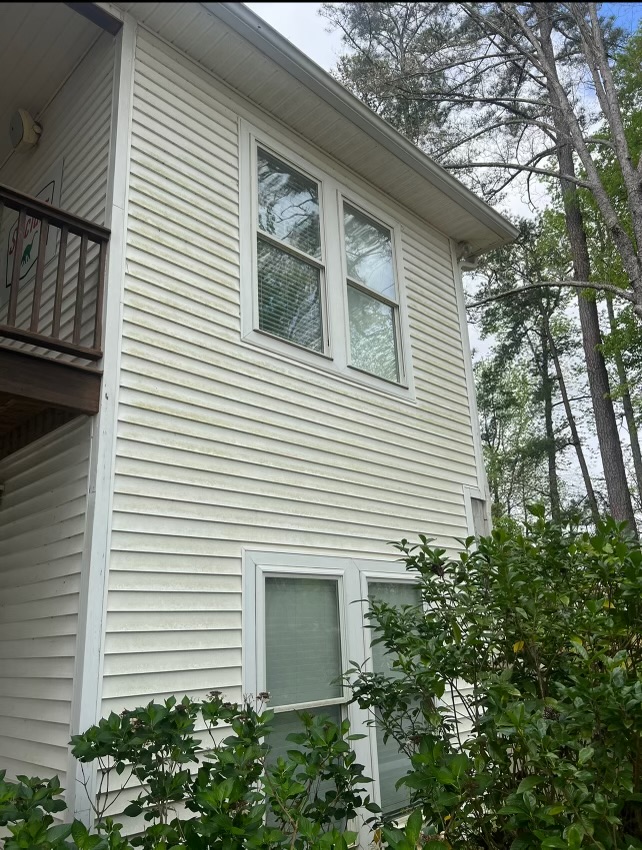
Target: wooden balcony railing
(63,284)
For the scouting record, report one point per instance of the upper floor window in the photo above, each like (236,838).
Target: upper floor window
(372,301)
(289,254)
(325,285)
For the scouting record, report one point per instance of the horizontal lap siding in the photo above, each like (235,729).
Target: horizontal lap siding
(42,520)
(221,445)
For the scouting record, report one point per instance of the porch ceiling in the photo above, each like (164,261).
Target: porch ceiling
(40,44)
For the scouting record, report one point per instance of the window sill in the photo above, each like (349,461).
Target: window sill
(321,363)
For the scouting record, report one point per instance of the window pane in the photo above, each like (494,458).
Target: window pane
(369,252)
(288,205)
(289,297)
(392,763)
(397,594)
(282,726)
(287,722)
(373,346)
(303,640)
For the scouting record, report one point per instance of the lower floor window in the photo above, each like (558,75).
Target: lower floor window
(304,625)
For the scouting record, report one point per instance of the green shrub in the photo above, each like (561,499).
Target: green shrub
(520,699)
(223,794)
(519,703)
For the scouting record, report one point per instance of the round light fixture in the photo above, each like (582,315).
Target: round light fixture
(24,132)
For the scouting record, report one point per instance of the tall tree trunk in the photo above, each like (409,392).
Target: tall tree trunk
(627,404)
(588,484)
(551,448)
(608,437)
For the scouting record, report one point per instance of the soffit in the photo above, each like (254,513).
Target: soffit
(40,45)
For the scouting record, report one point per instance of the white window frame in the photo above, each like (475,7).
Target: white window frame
(333,192)
(337,576)
(353,576)
(321,264)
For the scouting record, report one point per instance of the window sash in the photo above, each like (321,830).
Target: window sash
(360,286)
(263,154)
(291,303)
(318,263)
(303,629)
(290,249)
(397,351)
(304,706)
(371,293)
(385,754)
(334,576)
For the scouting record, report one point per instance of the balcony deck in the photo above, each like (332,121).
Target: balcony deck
(51,324)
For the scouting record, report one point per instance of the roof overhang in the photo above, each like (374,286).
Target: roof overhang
(251,57)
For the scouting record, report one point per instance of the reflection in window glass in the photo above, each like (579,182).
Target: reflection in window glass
(373,345)
(289,297)
(303,640)
(288,205)
(392,763)
(369,253)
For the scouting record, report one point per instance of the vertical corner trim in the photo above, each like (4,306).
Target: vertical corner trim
(90,646)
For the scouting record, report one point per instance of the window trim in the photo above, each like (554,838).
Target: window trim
(353,575)
(333,190)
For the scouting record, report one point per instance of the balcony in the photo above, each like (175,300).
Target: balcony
(51,321)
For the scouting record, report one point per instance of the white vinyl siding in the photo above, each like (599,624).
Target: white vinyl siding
(76,129)
(42,521)
(223,445)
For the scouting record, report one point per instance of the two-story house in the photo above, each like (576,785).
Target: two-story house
(233,366)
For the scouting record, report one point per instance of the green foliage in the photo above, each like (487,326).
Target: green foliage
(225,795)
(509,431)
(399,38)
(530,436)
(27,808)
(520,702)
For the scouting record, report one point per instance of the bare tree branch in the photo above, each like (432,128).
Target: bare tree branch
(614,290)
(517,167)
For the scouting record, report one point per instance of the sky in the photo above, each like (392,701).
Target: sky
(301,24)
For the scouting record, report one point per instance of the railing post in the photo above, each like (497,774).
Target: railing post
(100,297)
(40,269)
(60,281)
(80,289)
(17,260)
(25,328)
